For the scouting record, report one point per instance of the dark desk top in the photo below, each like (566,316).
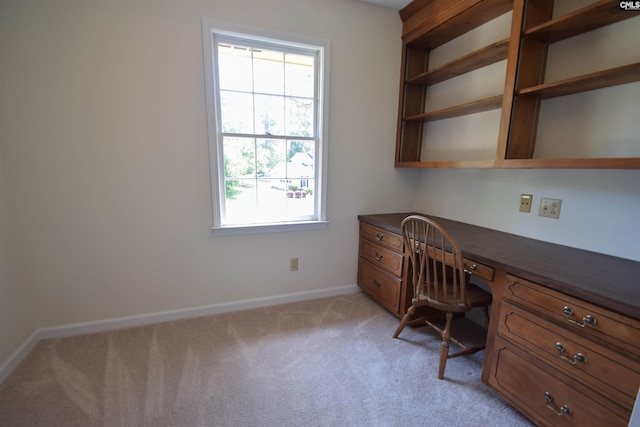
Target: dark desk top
(604,280)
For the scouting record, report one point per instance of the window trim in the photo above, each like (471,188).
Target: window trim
(211,28)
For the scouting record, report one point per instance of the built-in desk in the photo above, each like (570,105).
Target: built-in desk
(563,343)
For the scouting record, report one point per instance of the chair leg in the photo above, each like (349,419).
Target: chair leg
(405,321)
(444,347)
(485,310)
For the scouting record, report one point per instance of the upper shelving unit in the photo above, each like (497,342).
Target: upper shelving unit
(538,32)
(429,24)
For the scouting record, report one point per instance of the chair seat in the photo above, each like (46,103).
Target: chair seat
(476,297)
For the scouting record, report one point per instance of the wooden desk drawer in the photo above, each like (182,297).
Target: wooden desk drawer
(603,370)
(382,286)
(381,257)
(383,237)
(527,383)
(480,270)
(609,327)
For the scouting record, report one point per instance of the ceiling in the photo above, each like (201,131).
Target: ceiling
(392,4)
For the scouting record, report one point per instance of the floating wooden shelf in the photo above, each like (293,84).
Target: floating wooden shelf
(580,163)
(487,104)
(475,164)
(588,18)
(611,77)
(480,58)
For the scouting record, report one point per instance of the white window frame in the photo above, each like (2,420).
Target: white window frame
(211,30)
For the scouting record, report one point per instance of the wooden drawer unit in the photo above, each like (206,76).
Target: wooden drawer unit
(585,318)
(603,370)
(548,397)
(573,352)
(380,267)
(572,339)
(382,286)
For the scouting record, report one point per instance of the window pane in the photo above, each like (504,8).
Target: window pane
(234,68)
(268,72)
(240,201)
(239,157)
(272,202)
(237,112)
(269,115)
(263,200)
(270,157)
(301,164)
(300,202)
(299,116)
(299,72)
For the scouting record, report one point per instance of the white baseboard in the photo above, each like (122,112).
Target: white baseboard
(16,357)
(165,316)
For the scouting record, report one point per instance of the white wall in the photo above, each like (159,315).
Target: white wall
(599,207)
(104,131)
(16,315)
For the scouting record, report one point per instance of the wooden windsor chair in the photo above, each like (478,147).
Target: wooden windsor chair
(440,282)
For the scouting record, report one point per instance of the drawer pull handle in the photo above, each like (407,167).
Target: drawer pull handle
(564,409)
(471,269)
(378,256)
(379,236)
(579,357)
(376,283)
(588,319)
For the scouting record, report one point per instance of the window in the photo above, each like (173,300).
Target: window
(266,109)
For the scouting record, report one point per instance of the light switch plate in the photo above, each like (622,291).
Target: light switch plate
(525,202)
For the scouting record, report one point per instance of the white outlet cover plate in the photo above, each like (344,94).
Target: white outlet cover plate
(550,207)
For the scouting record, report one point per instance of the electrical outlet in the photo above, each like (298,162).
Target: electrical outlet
(293,264)
(525,202)
(550,208)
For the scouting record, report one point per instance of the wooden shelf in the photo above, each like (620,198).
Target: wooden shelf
(487,104)
(588,18)
(611,77)
(452,22)
(475,164)
(480,58)
(580,163)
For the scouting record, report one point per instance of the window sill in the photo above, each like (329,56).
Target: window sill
(269,228)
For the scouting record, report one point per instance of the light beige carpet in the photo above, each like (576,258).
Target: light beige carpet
(326,362)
